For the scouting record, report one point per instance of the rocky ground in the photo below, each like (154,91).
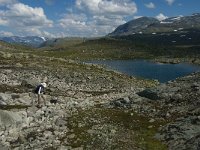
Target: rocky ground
(192,60)
(76,87)
(95,108)
(179,102)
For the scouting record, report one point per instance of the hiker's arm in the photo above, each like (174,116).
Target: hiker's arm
(39,91)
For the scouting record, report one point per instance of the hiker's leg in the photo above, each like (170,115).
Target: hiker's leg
(44,99)
(39,99)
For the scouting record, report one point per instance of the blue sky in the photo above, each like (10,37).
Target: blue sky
(88,18)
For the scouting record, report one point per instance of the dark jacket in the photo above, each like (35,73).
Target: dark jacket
(39,89)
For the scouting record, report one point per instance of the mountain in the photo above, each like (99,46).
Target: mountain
(33,41)
(134,26)
(153,26)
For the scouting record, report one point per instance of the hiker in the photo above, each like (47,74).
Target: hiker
(40,91)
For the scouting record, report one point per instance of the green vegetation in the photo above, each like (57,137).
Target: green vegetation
(170,45)
(148,46)
(14,48)
(114,128)
(11,107)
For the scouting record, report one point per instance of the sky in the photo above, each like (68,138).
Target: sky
(83,18)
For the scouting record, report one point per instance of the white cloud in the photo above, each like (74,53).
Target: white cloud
(150,5)
(81,25)
(74,24)
(5,34)
(24,18)
(20,15)
(117,7)
(123,7)
(33,32)
(91,18)
(47,34)
(91,5)
(3,22)
(99,17)
(70,20)
(161,17)
(170,2)
(112,21)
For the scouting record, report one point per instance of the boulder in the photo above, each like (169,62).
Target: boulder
(182,134)
(121,102)
(8,118)
(2,102)
(150,94)
(5,97)
(19,65)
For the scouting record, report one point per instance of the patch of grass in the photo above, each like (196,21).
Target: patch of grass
(124,129)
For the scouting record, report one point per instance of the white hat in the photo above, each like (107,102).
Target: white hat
(44,84)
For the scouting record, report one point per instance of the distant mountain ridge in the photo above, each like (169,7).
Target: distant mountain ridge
(152,25)
(34,41)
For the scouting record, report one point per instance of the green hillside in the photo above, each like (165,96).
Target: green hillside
(174,44)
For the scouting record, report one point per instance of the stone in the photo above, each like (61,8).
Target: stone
(150,93)
(6,55)
(18,65)
(8,118)
(152,120)
(91,131)
(14,133)
(113,131)
(178,96)
(2,102)
(48,134)
(168,115)
(121,102)
(39,112)
(71,136)
(60,122)
(150,127)
(63,148)
(5,98)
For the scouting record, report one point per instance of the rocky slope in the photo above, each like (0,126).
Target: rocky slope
(178,101)
(95,108)
(75,87)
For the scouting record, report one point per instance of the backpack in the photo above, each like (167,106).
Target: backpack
(38,87)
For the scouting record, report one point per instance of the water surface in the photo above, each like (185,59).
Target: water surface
(149,70)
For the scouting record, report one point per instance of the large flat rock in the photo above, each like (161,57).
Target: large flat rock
(9,118)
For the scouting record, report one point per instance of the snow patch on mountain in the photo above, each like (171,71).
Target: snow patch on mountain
(43,38)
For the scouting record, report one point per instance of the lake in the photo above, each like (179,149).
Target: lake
(149,70)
